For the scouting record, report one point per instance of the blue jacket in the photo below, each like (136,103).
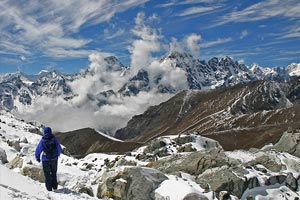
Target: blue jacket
(39,149)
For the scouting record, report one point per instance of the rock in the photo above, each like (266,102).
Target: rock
(289,142)
(84,189)
(291,182)
(132,183)
(252,183)
(194,163)
(269,161)
(123,162)
(195,196)
(16,145)
(23,140)
(184,139)
(187,148)
(224,179)
(224,195)
(35,173)
(3,156)
(25,149)
(16,162)
(275,179)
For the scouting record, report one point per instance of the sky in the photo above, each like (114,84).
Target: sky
(61,35)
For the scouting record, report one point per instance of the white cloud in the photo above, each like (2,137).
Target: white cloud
(185,2)
(265,10)
(216,42)
(23,58)
(244,33)
(293,32)
(196,10)
(108,35)
(192,43)
(46,26)
(62,53)
(142,48)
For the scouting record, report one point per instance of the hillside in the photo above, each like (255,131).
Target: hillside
(86,141)
(242,116)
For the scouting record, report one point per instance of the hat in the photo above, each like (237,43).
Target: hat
(47,131)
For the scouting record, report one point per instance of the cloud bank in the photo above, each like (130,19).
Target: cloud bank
(106,74)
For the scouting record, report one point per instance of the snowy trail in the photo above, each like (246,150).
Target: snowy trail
(15,186)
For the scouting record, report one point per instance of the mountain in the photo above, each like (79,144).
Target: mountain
(293,69)
(19,89)
(240,116)
(107,84)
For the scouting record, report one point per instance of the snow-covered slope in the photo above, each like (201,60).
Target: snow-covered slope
(294,69)
(15,186)
(158,168)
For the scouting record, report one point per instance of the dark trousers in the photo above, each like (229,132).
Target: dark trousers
(50,169)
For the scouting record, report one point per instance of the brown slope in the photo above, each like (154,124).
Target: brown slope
(241,116)
(85,141)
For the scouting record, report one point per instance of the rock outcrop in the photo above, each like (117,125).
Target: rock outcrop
(131,183)
(289,142)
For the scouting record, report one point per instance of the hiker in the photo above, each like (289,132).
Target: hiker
(50,149)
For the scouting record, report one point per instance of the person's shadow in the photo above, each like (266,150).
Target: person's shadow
(65,191)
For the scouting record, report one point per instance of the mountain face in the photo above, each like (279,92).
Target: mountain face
(19,89)
(241,116)
(107,81)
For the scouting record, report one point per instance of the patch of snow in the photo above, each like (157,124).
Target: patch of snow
(109,137)
(241,155)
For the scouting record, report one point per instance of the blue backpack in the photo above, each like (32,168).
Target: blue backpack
(50,149)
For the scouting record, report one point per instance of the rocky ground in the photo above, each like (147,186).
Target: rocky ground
(167,168)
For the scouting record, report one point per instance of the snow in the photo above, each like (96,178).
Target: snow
(176,188)
(73,172)
(271,192)
(109,137)
(241,155)
(16,186)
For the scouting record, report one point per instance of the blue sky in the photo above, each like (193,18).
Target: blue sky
(60,35)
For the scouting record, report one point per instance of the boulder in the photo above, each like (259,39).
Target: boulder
(16,162)
(23,140)
(289,142)
(194,163)
(278,179)
(16,145)
(35,173)
(291,182)
(3,156)
(224,179)
(84,189)
(195,196)
(123,162)
(131,183)
(270,161)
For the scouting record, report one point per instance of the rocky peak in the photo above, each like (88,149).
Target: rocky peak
(293,69)
(139,82)
(178,55)
(113,64)
(213,62)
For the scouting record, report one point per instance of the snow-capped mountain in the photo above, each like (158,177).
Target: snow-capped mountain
(109,90)
(293,69)
(18,88)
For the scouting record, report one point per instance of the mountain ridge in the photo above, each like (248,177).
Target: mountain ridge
(107,82)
